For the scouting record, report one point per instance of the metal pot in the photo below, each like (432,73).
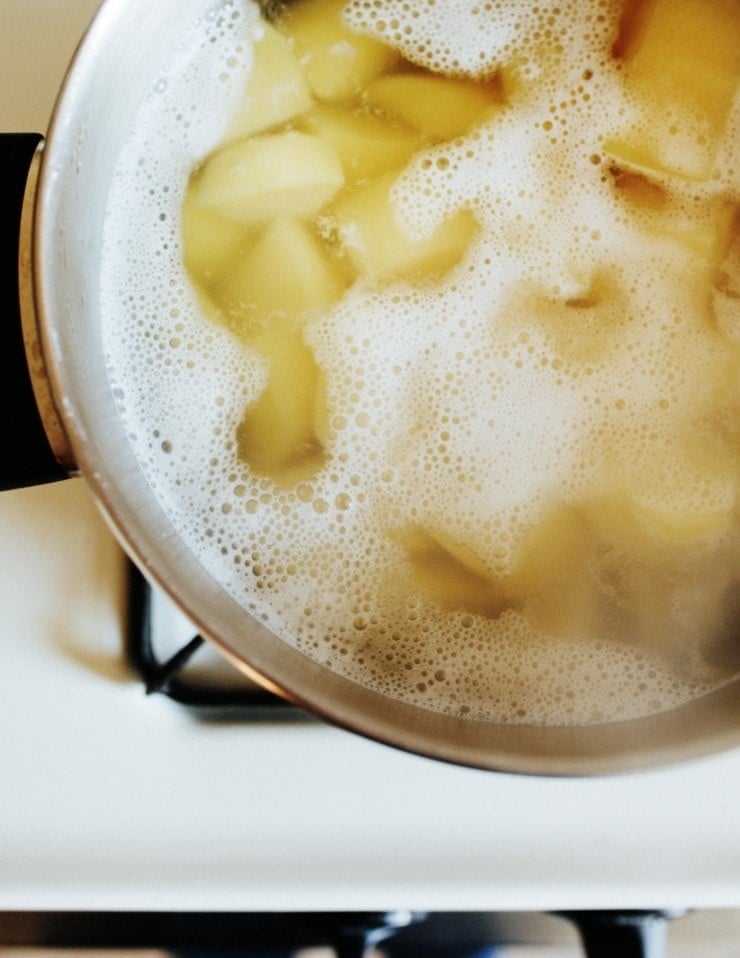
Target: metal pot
(59,278)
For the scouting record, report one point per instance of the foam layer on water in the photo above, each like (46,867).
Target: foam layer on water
(569,362)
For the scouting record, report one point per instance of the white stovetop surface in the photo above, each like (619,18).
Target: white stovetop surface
(110,800)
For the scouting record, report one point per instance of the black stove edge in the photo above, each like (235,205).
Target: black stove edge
(410,932)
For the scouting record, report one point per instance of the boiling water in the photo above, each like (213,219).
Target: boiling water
(567,363)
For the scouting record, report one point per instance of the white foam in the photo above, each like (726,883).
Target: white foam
(456,407)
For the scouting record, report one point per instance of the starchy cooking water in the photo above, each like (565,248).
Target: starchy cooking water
(526,504)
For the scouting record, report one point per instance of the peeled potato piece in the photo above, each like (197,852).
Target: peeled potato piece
(336,61)
(211,242)
(450,574)
(705,244)
(278,435)
(638,189)
(380,249)
(440,108)
(648,151)
(276,90)
(682,66)
(659,579)
(677,527)
(547,582)
(690,51)
(366,145)
(726,285)
(263,177)
(283,273)
(552,578)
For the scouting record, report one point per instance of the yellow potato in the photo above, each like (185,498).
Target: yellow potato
(380,249)
(682,65)
(655,532)
(440,108)
(726,285)
(648,151)
(276,90)
(639,190)
(450,574)
(278,435)
(552,578)
(336,62)
(657,578)
(257,179)
(285,271)
(706,244)
(210,243)
(688,52)
(604,568)
(677,526)
(548,580)
(367,146)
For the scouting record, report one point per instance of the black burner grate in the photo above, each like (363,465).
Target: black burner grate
(171,675)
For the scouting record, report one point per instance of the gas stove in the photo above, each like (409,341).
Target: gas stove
(206,797)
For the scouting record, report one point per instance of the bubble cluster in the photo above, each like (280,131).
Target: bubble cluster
(571,354)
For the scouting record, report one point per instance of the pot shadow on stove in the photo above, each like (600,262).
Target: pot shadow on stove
(86,566)
(94,642)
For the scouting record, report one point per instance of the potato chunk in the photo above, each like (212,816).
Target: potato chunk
(726,285)
(547,582)
(440,108)
(380,249)
(263,177)
(276,90)
(656,582)
(210,243)
(450,574)
(366,145)
(690,51)
(283,273)
(678,528)
(639,190)
(552,578)
(682,66)
(336,62)
(278,435)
